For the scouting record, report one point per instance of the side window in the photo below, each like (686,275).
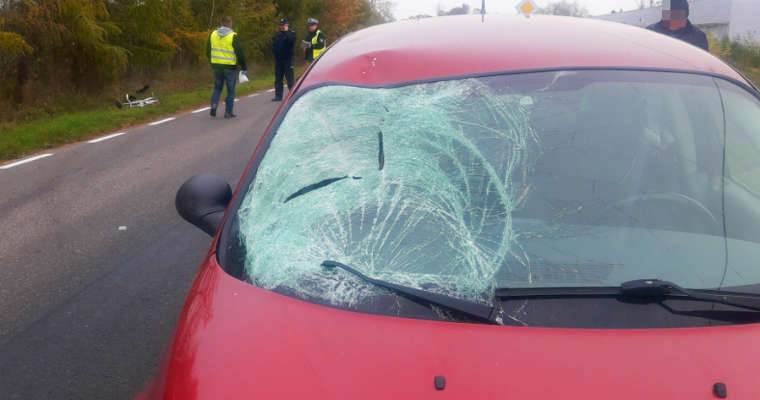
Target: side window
(742,186)
(742,136)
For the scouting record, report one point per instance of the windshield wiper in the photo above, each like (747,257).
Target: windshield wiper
(479,311)
(642,291)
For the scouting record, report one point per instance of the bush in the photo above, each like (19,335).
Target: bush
(12,47)
(743,52)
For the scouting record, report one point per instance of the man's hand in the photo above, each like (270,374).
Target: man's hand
(244,72)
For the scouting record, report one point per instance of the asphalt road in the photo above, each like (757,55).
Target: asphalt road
(94,261)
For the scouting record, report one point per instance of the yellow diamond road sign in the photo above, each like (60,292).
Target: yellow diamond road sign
(527,7)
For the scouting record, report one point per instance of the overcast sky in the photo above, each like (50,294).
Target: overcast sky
(406,8)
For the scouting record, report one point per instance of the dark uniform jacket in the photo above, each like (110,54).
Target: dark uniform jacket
(320,44)
(283,45)
(689,33)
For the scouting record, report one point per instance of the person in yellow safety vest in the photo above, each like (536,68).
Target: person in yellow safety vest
(315,42)
(225,54)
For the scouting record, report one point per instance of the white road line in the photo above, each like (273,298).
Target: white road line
(106,137)
(236,100)
(201,110)
(162,121)
(253,95)
(26,160)
(270,90)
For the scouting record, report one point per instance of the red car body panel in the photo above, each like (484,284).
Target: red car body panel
(235,340)
(437,47)
(239,341)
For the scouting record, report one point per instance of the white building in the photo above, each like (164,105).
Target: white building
(733,18)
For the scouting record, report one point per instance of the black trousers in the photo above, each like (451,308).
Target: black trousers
(282,71)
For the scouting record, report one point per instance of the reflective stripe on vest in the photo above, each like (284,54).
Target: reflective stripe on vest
(222,51)
(314,42)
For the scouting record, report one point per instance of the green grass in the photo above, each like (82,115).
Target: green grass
(753,74)
(18,139)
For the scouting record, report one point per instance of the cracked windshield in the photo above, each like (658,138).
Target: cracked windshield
(546,179)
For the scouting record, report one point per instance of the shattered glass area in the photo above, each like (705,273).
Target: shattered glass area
(413,185)
(559,178)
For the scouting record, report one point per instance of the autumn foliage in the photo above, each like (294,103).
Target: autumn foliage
(82,45)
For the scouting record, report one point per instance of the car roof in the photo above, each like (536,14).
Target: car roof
(432,48)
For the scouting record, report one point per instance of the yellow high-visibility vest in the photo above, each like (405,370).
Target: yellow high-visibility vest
(317,52)
(222,51)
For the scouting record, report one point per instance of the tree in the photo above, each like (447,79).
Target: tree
(464,9)
(255,22)
(14,48)
(73,38)
(146,26)
(338,17)
(565,8)
(642,4)
(69,46)
(376,12)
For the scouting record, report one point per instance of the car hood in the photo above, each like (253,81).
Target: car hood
(235,340)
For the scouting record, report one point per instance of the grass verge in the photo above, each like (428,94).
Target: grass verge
(19,139)
(753,74)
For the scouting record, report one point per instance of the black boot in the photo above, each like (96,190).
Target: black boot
(228,106)
(212,112)
(277,99)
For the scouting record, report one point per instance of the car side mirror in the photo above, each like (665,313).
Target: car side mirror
(202,201)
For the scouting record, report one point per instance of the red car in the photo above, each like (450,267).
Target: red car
(519,208)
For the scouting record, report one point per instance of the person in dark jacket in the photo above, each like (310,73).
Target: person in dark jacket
(315,42)
(225,53)
(675,23)
(283,46)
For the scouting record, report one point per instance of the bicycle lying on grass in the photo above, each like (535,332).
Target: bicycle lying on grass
(133,101)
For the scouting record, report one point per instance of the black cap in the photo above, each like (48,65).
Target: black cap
(680,5)
(284,21)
